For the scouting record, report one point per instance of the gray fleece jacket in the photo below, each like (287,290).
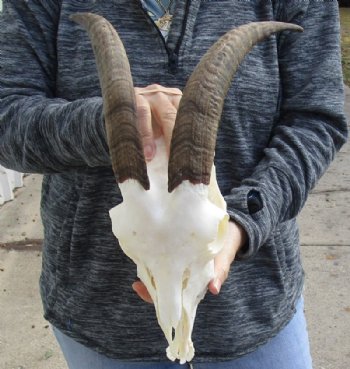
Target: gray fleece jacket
(282,124)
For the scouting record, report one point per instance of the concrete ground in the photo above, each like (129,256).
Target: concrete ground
(26,341)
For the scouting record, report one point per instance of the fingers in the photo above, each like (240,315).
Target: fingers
(164,113)
(221,274)
(175,99)
(173,95)
(235,238)
(141,290)
(144,120)
(158,88)
(158,105)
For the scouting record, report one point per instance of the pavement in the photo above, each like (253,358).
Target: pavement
(26,341)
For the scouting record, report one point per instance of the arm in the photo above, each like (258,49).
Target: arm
(311,126)
(40,132)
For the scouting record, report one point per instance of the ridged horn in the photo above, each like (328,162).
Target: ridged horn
(194,136)
(118,94)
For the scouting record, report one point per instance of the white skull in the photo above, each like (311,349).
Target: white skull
(173,238)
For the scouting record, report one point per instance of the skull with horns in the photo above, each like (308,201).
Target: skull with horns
(173,218)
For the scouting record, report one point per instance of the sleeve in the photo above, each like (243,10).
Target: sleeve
(39,132)
(311,127)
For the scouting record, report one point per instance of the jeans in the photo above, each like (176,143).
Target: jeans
(288,350)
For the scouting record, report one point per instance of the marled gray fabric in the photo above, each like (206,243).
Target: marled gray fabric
(282,124)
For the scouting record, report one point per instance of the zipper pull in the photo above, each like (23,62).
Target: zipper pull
(173,62)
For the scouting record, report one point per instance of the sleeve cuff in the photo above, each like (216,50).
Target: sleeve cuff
(246,206)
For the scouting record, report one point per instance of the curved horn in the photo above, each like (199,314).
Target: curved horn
(194,136)
(118,99)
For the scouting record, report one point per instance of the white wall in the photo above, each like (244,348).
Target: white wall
(9,180)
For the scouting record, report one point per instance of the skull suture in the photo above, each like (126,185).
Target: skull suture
(173,218)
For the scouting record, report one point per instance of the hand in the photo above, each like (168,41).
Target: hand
(236,237)
(156,111)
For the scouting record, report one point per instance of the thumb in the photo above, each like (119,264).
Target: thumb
(221,275)
(142,291)
(235,237)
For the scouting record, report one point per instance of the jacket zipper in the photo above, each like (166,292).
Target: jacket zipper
(173,55)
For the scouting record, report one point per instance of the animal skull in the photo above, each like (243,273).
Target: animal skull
(173,220)
(173,238)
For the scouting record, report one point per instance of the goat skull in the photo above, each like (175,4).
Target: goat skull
(173,219)
(173,238)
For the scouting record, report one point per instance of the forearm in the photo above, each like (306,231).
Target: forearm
(39,132)
(41,135)
(310,129)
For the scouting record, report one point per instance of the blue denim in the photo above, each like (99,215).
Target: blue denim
(288,350)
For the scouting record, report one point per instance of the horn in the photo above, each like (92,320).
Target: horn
(194,136)
(119,106)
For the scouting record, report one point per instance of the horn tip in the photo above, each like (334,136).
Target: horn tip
(296,27)
(83,18)
(290,27)
(77,17)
